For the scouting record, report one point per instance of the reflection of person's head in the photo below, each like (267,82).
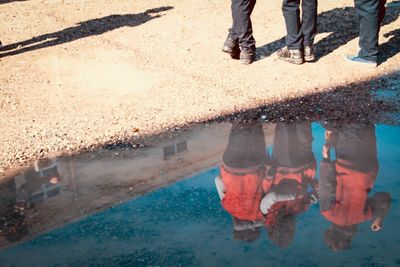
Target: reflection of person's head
(245,230)
(339,237)
(283,230)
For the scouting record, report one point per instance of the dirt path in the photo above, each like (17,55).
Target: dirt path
(89,71)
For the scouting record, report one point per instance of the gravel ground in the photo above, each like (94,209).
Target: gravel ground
(76,75)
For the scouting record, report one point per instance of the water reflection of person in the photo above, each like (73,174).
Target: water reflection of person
(346,182)
(242,172)
(292,171)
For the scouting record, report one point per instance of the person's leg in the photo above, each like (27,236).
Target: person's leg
(291,13)
(241,12)
(293,52)
(309,27)
(242,27)
(368,13)
(231,44)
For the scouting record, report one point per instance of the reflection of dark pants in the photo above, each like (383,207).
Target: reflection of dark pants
(370,14)
(246,146)
(300,33)
(292,145)
(356,143)
(242,30)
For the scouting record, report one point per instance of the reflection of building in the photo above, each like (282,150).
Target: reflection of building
(174,149)
(93,181)
(38,183)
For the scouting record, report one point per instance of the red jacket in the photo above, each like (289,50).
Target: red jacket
(351,195)
(243,191)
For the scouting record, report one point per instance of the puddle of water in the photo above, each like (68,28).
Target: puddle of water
(246,192)
(179,218)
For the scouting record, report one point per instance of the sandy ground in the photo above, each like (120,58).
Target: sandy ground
(74,74)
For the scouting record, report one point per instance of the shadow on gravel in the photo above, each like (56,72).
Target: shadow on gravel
(83,30)
(342,25)
(10,1)
(391,47)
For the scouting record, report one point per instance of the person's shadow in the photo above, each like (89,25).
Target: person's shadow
(391,47)
(10,1)
(342,26)
(82,30)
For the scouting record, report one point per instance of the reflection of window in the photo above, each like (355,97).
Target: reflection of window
(47,191)
(170,151)
(180,147)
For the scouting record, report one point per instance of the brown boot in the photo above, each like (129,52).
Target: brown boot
(309,54)
(231,47)
(294,56)
(247,55)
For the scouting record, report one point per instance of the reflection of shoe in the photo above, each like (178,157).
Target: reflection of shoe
(294,56)
(362,62)
(309,54)
(231,47)
(247,55)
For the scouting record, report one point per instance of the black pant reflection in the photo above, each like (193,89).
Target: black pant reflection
(242,173)
(292,172)
(346,182)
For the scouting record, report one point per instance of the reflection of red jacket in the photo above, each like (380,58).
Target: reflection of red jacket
(302,176)
(243,191)
(351,195)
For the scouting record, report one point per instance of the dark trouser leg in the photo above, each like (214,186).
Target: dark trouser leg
(368,14)
(233,36)
(246,146)
(242,27)
(309,21)
(291,13)
(357,143)
(292,145)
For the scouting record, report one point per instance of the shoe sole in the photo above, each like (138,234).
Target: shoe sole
(227,49)
(246,62)
(364,65)
(309,58)
(291,60)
